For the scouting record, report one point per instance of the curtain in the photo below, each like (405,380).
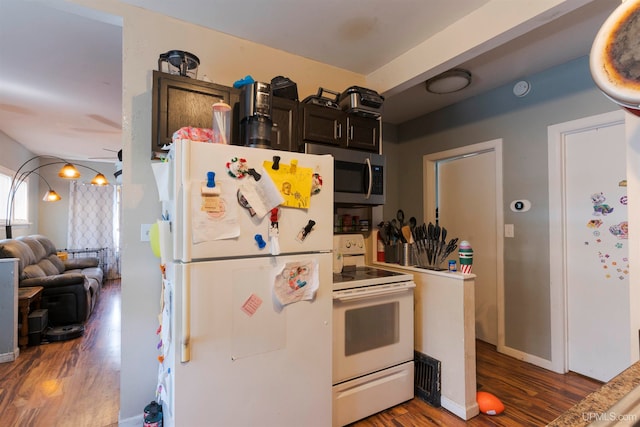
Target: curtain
(94,225)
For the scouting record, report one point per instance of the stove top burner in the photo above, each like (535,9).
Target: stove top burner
(362,273)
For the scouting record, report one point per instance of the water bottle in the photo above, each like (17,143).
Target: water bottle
(153,415)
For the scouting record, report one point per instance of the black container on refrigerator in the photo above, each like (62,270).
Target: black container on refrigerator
(361,101)
(179,62)
(255,115)
(284,87)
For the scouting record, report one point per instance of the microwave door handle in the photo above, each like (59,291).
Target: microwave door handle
(370,179)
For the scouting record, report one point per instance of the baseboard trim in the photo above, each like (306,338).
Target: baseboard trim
(9,357)
(136,421)
(529,358)
(458,410)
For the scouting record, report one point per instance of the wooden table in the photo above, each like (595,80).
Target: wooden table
(27,296)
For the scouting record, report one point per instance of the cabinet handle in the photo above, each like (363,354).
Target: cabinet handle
(350,133)
(338,131)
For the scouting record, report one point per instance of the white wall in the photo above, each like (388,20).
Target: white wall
(224,59)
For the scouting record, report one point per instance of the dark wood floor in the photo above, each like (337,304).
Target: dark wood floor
(72,383)
(532,396)
(76,383)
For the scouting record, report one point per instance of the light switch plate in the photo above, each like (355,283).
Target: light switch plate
(508,230)
(145,229)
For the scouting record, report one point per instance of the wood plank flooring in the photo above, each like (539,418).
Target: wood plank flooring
(76,383)
(72,383)
(532,396)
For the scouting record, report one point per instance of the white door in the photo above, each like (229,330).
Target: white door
(468,199)
(597,265)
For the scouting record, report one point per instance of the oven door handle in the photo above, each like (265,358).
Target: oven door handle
(371,293)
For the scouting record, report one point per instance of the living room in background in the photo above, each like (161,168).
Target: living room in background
(94,225)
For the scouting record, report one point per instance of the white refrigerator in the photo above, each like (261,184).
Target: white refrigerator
(246,329)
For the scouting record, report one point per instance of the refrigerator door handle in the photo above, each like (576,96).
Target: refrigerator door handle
(186,319)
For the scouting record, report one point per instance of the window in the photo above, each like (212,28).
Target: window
(20,204)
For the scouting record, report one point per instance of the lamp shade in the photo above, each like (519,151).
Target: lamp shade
(51,196)
(99,179)
(69,171)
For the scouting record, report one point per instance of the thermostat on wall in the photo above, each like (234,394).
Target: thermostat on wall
(520,205)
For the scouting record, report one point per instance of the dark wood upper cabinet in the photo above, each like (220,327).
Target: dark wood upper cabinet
(326,125)
(182,101)
(363,133)
(322,124)
(284,114)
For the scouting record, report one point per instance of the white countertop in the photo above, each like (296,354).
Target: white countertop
(444,273)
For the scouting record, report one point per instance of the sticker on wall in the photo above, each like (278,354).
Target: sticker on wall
(599,205)
(613,268)
(594,223)
(608,246)
(621,230)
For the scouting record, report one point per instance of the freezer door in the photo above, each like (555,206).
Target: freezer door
(215,222)
(252,362)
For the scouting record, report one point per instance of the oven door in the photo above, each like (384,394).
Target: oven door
(372,329)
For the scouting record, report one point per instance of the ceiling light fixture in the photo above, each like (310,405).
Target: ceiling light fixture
(448,82)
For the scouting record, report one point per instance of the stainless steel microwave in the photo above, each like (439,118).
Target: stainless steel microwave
(358,176)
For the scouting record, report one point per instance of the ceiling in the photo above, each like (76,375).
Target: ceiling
(60,93)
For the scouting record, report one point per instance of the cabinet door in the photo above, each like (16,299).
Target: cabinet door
(181,101)
(284,114)
(324,125)
(363,133)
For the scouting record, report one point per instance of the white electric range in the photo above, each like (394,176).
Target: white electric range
(372,334)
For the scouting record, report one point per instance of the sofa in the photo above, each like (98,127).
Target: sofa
(71,287)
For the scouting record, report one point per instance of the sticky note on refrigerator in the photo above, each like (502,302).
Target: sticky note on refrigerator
(252,304)
(293,182)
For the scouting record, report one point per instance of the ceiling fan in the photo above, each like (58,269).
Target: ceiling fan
(116,156)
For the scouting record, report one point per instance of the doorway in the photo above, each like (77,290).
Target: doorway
(463,193)
(589,247)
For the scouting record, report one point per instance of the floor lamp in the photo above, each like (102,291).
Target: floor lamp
(68,171)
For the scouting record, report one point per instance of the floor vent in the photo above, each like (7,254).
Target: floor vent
(427,378)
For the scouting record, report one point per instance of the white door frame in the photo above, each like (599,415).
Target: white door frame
(429,208)
(557,239)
